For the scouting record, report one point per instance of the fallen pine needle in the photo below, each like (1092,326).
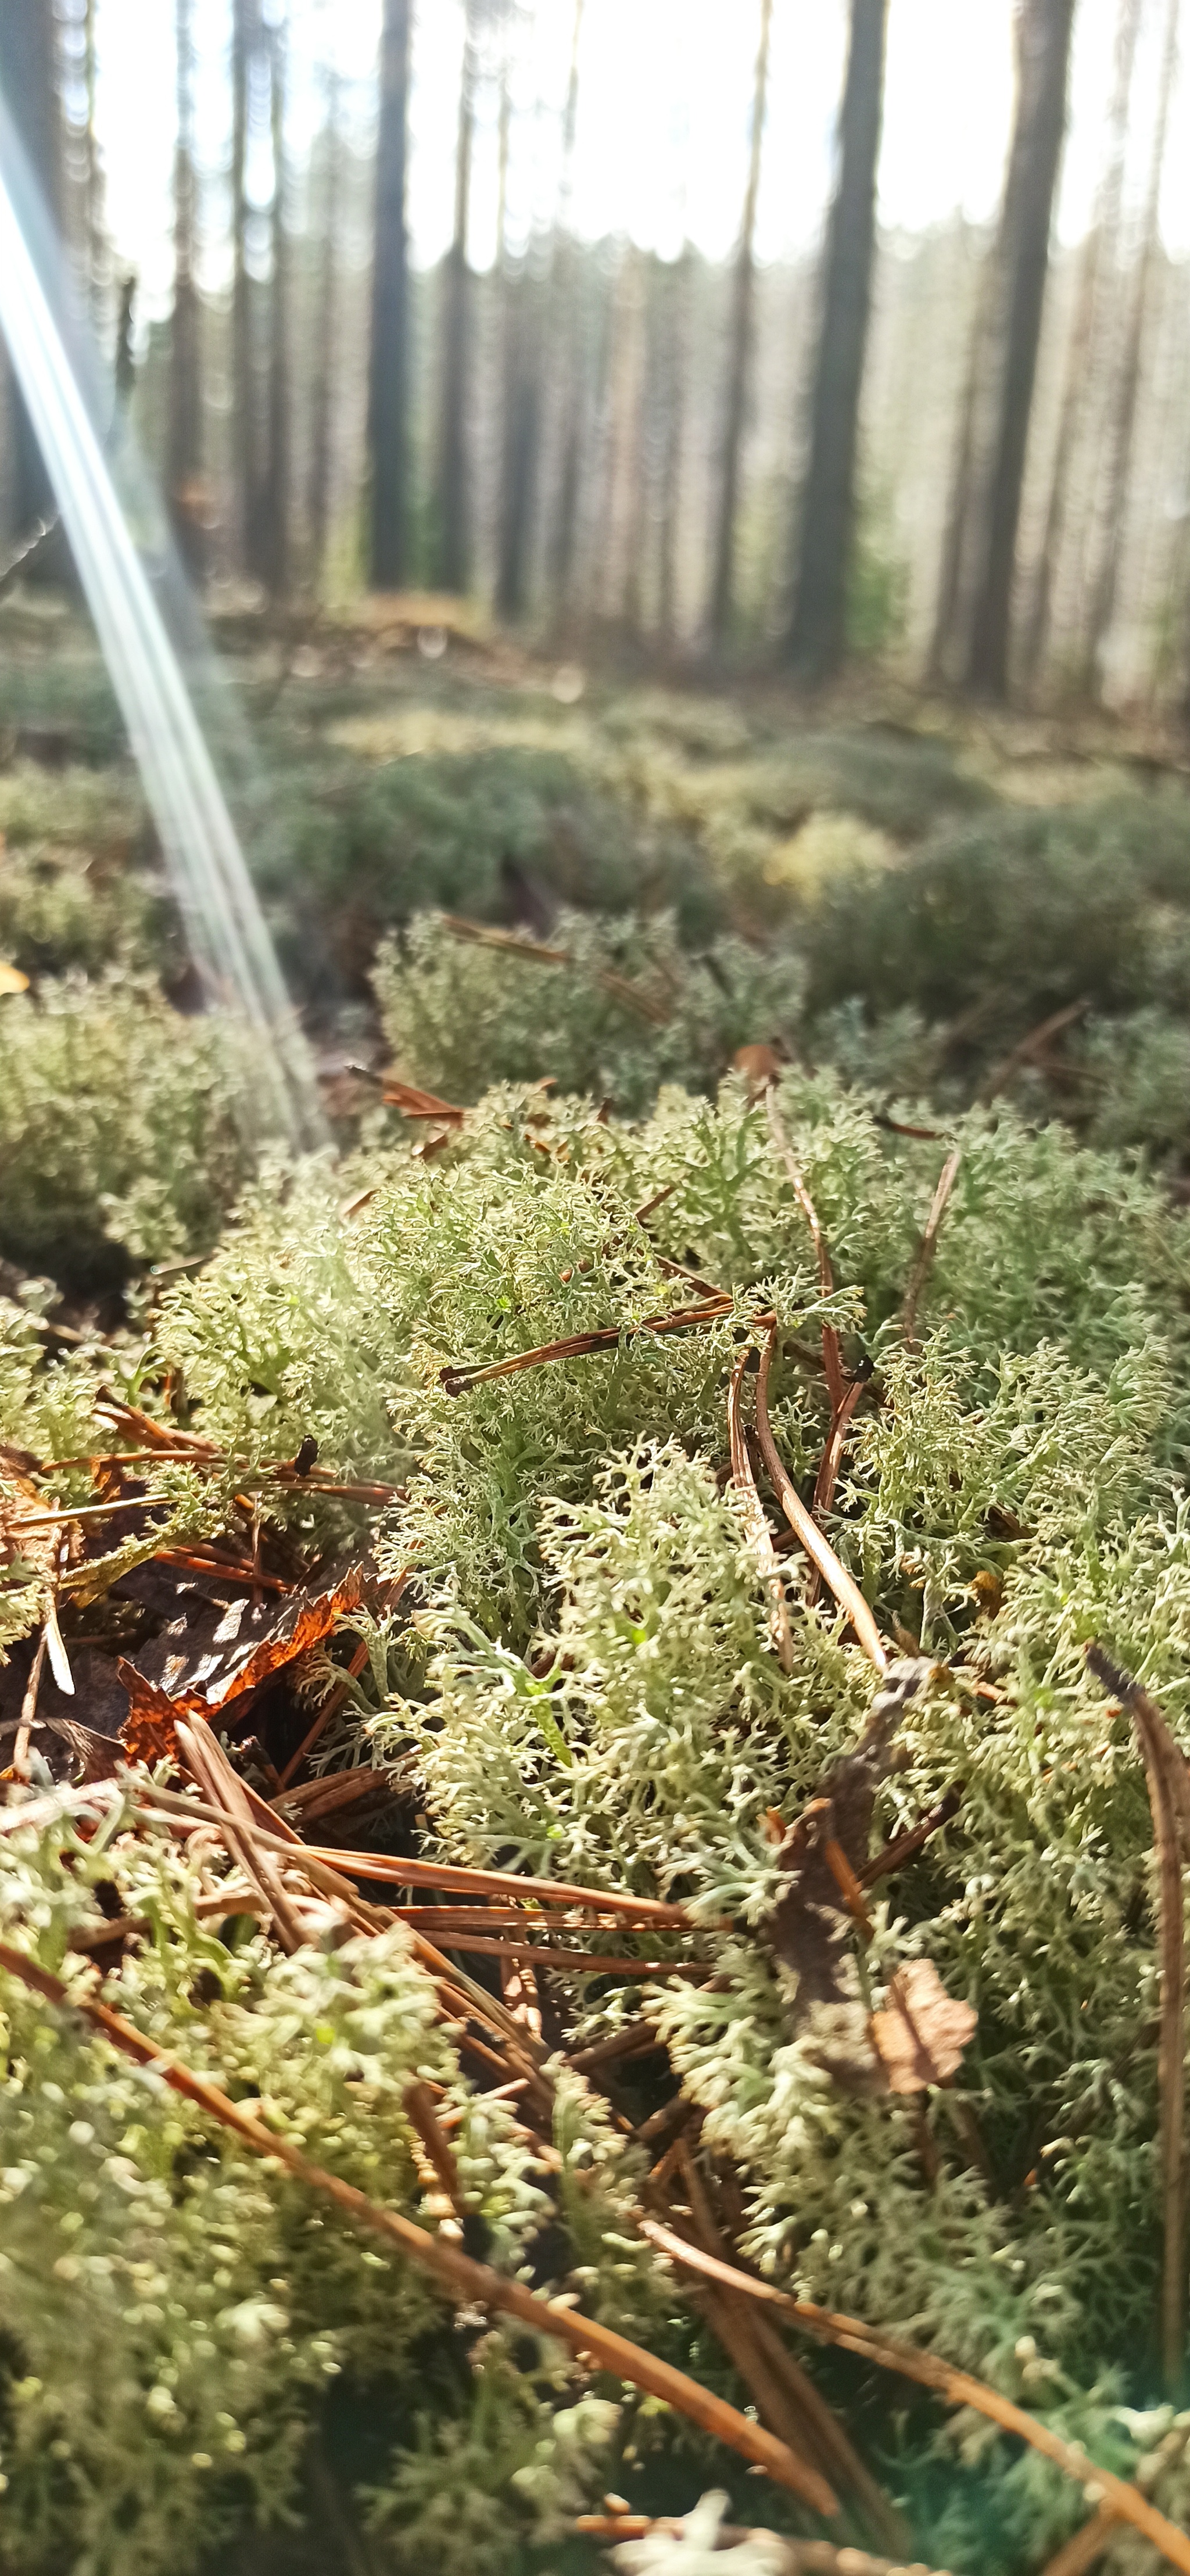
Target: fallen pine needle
(818,1548)
(466,2282)
(956,2386)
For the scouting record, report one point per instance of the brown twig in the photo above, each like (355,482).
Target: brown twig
(904,1846)
(956,2386)
(463,2280)
(818,1548)
(832,1359)
(921,1268)
(753,1516)
(418,2105)
(458,1376)
(1029,1048)
(1157,1746)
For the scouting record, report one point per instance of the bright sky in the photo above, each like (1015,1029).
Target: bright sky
(665,91)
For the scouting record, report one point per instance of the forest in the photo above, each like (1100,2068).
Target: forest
(594,1288)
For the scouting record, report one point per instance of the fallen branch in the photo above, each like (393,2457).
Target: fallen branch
(956,2386)
(466,2282)
(478,935)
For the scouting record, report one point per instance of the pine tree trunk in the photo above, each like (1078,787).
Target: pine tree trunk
(325,336)
(276,486)
(1043,31)
(566,342)
(677,334)
(186,500)
(818,626)
(1122,420)
(245,441)
(28,60)
(388,374)
(521,407)
(739,350)
(454,547)
(1098,253)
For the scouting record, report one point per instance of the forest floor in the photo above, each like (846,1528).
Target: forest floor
(619,1568)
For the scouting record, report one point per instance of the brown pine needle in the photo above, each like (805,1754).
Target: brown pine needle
(832,1359)
(466,2282)
(929,1242)
(20,1758)
(460,1374)
(333,1701)
(1162,1762)
(753,1517)
(1084,2545)
(956,2386)
(818,1548)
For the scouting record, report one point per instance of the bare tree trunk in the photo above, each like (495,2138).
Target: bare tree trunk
(184,479)
(817,636)
(1123,413)
(93,182)
(959,501)
(677,334)
(566,340)
(1098,251)
(28,60)
(325,334)
(977,648)
(454,546)
(388,374)
(276,486)
(522,409)
(245,37)
(739,351)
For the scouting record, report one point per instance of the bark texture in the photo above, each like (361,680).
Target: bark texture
(388,390)
(817,634)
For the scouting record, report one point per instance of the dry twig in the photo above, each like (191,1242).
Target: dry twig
(753,1517)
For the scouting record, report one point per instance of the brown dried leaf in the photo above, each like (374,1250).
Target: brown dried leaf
(201,1672)
(922,2032)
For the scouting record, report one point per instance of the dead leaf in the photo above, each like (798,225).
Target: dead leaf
(202,1668)
(922,2032)
(760,1066)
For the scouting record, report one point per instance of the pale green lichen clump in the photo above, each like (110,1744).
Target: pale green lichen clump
(588,1687)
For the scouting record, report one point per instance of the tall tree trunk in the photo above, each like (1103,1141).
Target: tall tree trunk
(28,65)
(739,351)
(974,649)
(245,38)
(276,486)
(677,335)
(522,410)
(1122,421)
(566,339)
(325,334)
(186,499)
(1098,252)
(959,500)
(454,546)
(388,389)
(818,626)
